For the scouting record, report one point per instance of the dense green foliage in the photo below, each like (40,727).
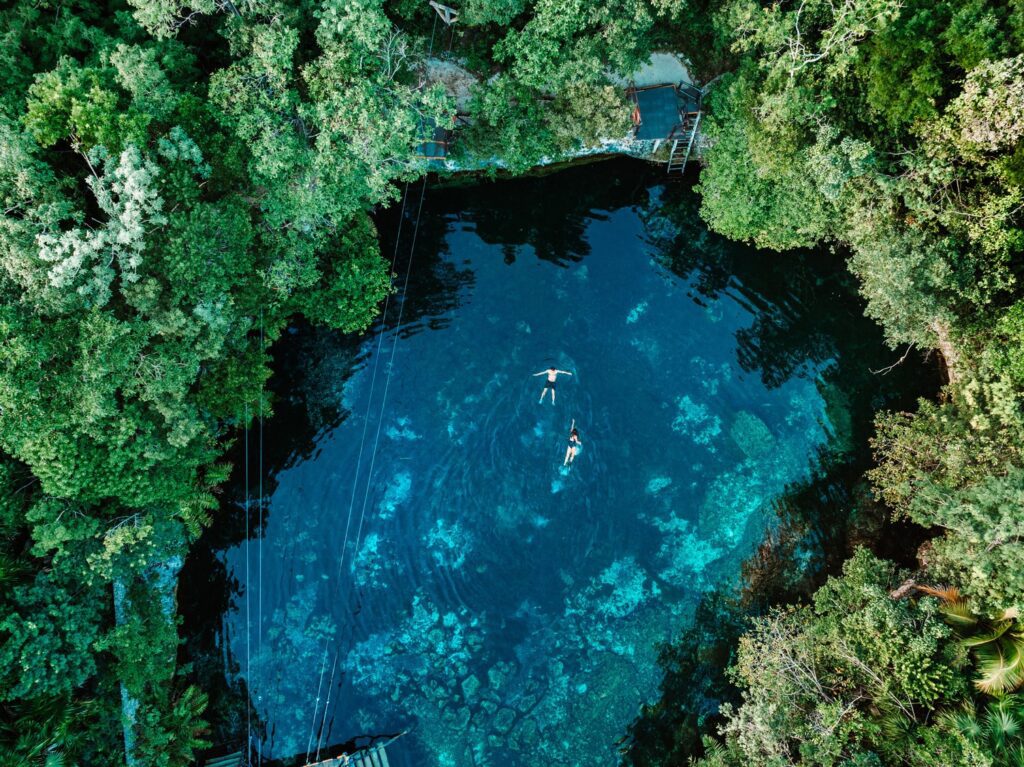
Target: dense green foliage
(891,132)
(168,204)
(179,180)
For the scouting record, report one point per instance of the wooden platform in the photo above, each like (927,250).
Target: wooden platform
(374,756)
(663,110)
(233,759)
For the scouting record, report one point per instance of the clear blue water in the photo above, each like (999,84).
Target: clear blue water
(470,590)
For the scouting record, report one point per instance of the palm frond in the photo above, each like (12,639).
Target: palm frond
(1015,757)
(1001,667)
(959,616)
(945,593)
(963,720)
(999,628)
(1002,726)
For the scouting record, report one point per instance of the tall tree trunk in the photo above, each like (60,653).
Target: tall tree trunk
(163,579)
(950,356)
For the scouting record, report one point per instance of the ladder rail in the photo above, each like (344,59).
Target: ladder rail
(672,155)
(674,163)
(693,137)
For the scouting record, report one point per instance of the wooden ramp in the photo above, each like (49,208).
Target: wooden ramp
(234,759)
(372,756)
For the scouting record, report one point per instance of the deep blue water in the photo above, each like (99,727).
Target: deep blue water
(470,590)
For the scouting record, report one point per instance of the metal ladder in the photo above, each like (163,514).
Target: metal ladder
(678,157)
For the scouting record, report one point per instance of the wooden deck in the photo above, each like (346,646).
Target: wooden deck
(663,110)
(670,115)
(374,756)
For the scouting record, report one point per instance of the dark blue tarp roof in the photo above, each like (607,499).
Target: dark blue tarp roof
(660,110)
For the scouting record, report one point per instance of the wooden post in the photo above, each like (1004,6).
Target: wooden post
(448,15)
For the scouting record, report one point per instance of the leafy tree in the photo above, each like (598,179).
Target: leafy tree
(838,680)
(981,547)
(155,233)
(753,187)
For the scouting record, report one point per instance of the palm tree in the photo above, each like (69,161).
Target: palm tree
(999,732)
(997,644)
(40,732)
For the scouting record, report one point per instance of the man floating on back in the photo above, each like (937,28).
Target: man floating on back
(552,374)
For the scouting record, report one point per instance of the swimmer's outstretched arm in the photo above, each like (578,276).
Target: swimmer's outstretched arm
(564,372)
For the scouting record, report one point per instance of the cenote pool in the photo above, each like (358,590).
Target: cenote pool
(457,583)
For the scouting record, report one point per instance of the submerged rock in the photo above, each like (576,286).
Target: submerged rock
(400,431)
(496,676)
(686,558)
(636,312)
(732,499)
(695,421)
(657,484)
(711,375)
(504,720)
(448,543)
(397,493)
(470,685)
(368,565)
(751,435)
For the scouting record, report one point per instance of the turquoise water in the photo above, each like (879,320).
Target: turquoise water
(427,565)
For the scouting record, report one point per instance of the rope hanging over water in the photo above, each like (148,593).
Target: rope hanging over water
(366,421)
(249,679)
(259,559)
(248,654)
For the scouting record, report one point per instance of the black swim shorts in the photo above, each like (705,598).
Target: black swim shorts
(549,384)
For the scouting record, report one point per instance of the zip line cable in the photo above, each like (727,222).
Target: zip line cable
(380,419)
(248,656)
(369,405)
(259,603)
(391,363)
(376,442)
(373,383)
(362,440)
(359,459)
(327,707)
(316,709)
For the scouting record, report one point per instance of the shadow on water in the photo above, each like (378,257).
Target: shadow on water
(806,321)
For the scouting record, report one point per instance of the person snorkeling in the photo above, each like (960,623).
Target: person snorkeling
(573,446)
(552,374)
